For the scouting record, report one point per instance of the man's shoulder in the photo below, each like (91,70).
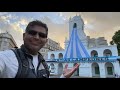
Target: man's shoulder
(7,53)
(8,57)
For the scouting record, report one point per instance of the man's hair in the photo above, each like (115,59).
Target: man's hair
(38,23)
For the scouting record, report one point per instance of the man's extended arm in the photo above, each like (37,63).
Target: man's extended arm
(2,64)
(67,73)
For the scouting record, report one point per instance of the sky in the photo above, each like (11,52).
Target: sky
(97,24)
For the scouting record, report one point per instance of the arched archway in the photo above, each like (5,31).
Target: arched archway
(76,73)
(60,55)
(94,53)
(107,52)
(52,56)
(60,68)
(52,68)
(95,70)
(109,69)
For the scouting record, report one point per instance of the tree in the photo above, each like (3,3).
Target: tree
(111,42)
(116,40)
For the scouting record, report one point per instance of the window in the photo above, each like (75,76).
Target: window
(95,55)
(75,25)
(109,71)
(108,54)
(97,70)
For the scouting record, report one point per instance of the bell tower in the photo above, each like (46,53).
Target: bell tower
(79,23)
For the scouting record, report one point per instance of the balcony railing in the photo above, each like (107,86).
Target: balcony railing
(89,59)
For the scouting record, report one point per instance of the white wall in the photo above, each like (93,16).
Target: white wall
(56,53)
(102,70)
(85,70)
(117,67)
(100,50)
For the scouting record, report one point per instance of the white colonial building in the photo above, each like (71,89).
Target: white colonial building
(51,45)
(96,57)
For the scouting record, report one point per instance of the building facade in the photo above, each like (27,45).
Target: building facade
(51,45)
(96,57)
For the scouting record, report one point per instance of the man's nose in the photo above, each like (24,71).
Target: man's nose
(37,36)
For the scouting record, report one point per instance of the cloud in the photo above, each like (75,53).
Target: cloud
(98,24)
(15,30)
(23,21)
(3,13)
(89,26)
(60,14)
(57,32)
(16,27)
(13,27)
(4,19)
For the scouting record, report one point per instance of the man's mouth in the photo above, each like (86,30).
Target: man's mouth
(35,44)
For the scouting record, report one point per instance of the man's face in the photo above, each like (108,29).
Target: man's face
(35,38)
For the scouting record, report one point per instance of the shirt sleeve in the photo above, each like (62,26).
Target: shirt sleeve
(62,76)
(2,64)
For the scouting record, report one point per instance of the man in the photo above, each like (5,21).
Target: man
(26,61)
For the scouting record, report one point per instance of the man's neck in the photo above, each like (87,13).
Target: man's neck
(33,53)
(27,50)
